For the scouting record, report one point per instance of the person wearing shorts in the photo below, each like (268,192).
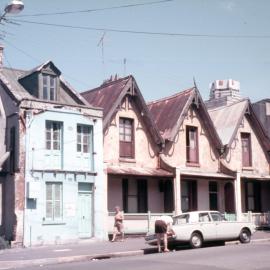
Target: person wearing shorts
(118,224)
(162,227)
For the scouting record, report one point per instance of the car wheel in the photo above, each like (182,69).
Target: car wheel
(245,236)
(196,240)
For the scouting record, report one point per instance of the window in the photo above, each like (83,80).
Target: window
(12,150)
(54,198)
(126,138)
(53,135)
(246,150)
(192,150)
(189,195)
(213,195)
(135,196)
(49,87)
(204,217)
(183,219)
(84,138)
(253,200)
(217,217)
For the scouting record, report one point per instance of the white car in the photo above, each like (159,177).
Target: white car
(199,227)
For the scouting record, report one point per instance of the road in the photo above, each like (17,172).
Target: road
(249,256)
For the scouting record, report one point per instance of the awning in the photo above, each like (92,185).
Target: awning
(138,171)
(255,176)
(3,159)
(205,174)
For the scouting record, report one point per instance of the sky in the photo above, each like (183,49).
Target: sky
(222,39)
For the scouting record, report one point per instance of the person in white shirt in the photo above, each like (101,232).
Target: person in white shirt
(162,227)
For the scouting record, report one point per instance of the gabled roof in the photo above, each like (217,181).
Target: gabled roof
(40,67)
(169,114)
(227,120)
(10,78)
(109,97)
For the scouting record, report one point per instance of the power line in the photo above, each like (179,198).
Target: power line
(171,34)
(97,9)
(39,61)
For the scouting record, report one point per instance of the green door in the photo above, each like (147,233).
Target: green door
(85,215)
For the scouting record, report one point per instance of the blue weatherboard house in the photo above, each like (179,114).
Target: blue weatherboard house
(51,182)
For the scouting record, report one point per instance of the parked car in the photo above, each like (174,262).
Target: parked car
(199,227)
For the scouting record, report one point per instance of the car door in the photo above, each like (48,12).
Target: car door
(207,226)
(224,229)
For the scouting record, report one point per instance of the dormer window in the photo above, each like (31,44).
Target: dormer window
(49,87)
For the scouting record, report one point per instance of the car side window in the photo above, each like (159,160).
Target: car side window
(204,217)
(183,219)
(216,217)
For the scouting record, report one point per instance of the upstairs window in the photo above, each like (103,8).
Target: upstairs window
(49,87)
(84,138)
(126,138)
(246,150)
(53,135)
(192,150)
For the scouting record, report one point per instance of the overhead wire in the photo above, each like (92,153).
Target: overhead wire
(150,33)
(96,9)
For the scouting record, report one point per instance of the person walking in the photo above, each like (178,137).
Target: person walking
(162,228)
(118,224)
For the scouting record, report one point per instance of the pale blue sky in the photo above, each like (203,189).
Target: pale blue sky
(162,65)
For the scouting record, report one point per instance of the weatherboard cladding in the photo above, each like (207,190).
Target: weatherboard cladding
(106,95)
(167,111)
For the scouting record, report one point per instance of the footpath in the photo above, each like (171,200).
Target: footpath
(85,250)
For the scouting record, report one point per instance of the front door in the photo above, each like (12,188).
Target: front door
(85,215)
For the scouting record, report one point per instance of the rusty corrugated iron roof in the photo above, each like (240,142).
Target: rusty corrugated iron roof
(106,95)
(110,95)
(167,111)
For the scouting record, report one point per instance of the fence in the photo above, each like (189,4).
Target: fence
(137,223)
(141,223)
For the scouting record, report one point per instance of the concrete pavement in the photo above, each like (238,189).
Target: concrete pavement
(83,251)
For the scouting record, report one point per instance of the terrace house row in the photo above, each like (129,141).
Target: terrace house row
(171,156)
(51,178)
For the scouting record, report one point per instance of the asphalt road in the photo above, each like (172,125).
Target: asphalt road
(249,256)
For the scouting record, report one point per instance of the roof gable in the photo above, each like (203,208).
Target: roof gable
(228,119)
(169,114)
(167,111)
(109,96)
(13,80)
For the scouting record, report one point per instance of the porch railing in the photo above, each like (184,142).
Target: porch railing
(259,219)
(141,223)
(136,223)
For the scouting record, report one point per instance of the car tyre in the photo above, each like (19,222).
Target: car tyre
(196,240)
(245,236)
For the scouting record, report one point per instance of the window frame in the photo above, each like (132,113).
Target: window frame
(189,155)
(51,140)
(49,90)
(53,201)
(80,139)
(246,141)
(213,193)
(126,147)
(141,195)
